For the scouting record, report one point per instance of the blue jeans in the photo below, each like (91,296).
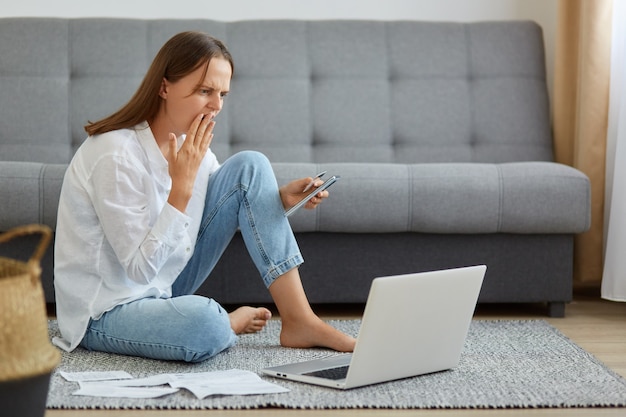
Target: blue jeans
(242,195)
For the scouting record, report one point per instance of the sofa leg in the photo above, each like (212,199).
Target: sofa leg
(556,309)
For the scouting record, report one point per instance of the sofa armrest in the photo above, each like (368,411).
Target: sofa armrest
(29,193)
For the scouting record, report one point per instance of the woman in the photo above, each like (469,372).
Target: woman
(146,211)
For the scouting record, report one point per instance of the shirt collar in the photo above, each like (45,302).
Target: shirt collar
(149,144)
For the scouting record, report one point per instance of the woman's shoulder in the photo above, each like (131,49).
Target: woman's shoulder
(118,148)
(114,143)
(116,137)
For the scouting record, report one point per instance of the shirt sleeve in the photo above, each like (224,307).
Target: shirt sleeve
(142,229)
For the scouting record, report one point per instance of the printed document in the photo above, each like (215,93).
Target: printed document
(201,384)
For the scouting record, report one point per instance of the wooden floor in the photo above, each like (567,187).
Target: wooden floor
(597,326)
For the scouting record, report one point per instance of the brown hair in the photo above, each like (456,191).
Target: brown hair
(180,56)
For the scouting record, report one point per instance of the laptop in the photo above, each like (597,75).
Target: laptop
(413,324)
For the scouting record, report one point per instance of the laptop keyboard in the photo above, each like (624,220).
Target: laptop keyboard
(332,373)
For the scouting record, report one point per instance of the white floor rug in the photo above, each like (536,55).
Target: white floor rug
(505,364)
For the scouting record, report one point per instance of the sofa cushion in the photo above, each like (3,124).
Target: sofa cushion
(533,197)
(303,91)
(405,92)
(34,80)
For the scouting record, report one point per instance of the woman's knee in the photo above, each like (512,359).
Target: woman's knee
(254,158)
(249,163)
(205,326)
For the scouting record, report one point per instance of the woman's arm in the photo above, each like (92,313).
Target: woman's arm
(141,228)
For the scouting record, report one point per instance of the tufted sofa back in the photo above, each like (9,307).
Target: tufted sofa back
(303,91)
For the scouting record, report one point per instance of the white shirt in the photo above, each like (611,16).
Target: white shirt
(117,239)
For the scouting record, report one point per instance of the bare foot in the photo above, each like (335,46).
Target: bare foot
(315,333)
(249,319)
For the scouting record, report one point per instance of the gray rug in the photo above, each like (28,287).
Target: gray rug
(505,364)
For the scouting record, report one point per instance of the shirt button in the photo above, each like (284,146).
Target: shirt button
(188,249)
(187,224)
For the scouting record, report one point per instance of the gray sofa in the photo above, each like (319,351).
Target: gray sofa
(440,131)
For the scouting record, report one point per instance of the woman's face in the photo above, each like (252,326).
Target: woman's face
(190,96)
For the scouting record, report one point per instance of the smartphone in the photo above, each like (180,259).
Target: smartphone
(313,193)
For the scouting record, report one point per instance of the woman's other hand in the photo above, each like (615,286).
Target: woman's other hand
(292,193)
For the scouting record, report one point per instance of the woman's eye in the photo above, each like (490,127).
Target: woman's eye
(210,91)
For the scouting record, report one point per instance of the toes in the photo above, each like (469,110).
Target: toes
(250,320)
(264,314)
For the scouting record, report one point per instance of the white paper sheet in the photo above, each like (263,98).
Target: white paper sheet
(102,389)
(150,381)
(201,384)
(231,382)
(95,376)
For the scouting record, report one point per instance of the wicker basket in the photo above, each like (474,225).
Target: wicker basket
(25,348)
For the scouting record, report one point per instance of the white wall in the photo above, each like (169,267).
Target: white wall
(458,10)
(543,12)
